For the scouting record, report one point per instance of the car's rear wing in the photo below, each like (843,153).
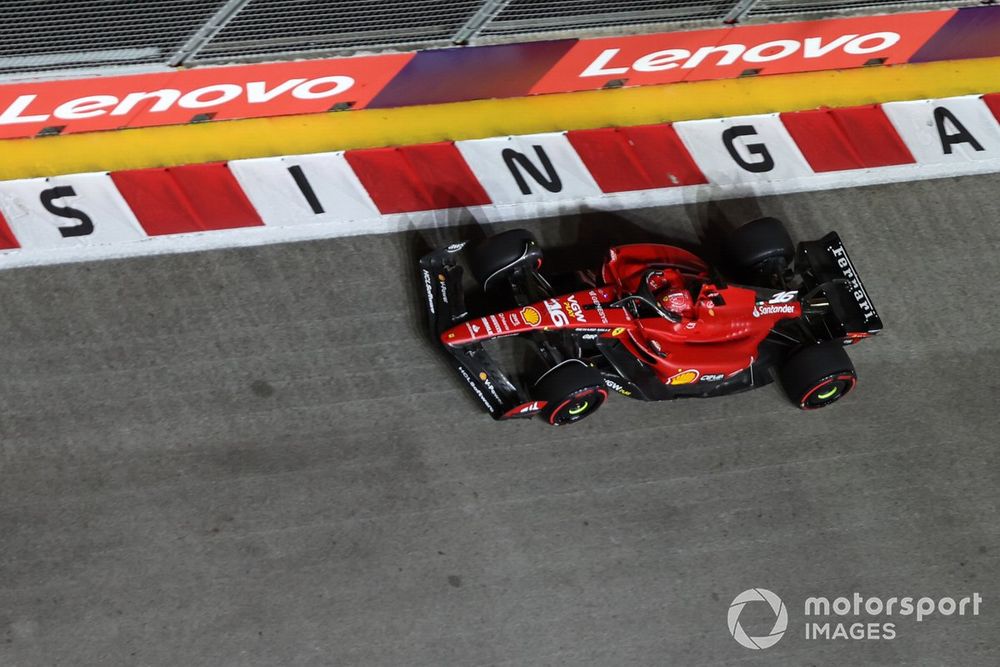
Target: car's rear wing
(826,266)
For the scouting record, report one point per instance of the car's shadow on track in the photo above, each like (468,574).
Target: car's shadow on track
(570,243)
(581,240)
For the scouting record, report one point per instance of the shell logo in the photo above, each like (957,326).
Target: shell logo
(531,316)
(483,376)
(684,377)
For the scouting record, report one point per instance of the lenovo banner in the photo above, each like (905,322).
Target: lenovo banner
(39,108)
(728,53)
(184,96)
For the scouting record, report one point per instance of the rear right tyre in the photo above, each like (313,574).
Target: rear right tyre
(818,375)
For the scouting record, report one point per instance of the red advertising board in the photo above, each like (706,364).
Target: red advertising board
(729,52)
(178,97)
(211,93)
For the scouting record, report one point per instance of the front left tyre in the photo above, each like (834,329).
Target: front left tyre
(572,391)
(818,375)
(496,256)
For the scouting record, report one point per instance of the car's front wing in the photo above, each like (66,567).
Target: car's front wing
(441,282)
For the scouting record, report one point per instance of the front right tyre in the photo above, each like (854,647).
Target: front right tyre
(572,390)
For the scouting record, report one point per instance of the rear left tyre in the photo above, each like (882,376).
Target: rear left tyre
(572,391)
(818,375)
(759,242)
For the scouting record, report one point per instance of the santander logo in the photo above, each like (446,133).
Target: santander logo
(609,62)
(26,109)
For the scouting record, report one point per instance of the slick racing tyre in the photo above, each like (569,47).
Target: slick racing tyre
(498,255)
(818,375)
(572,390)
(757,242)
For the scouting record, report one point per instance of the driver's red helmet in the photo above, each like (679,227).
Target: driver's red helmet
(679,302)
(670,291)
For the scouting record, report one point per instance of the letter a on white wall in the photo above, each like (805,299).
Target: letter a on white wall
(917,124)
(529,168)
(91,211)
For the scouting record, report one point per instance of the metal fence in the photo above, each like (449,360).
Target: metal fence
(41,37)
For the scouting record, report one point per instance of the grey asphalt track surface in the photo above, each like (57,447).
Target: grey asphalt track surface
(253,457)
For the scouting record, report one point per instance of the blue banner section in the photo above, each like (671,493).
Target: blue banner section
(973,32)
(471,73)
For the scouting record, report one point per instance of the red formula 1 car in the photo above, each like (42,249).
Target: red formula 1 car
(655,322)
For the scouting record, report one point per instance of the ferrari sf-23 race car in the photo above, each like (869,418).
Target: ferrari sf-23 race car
(654,322)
